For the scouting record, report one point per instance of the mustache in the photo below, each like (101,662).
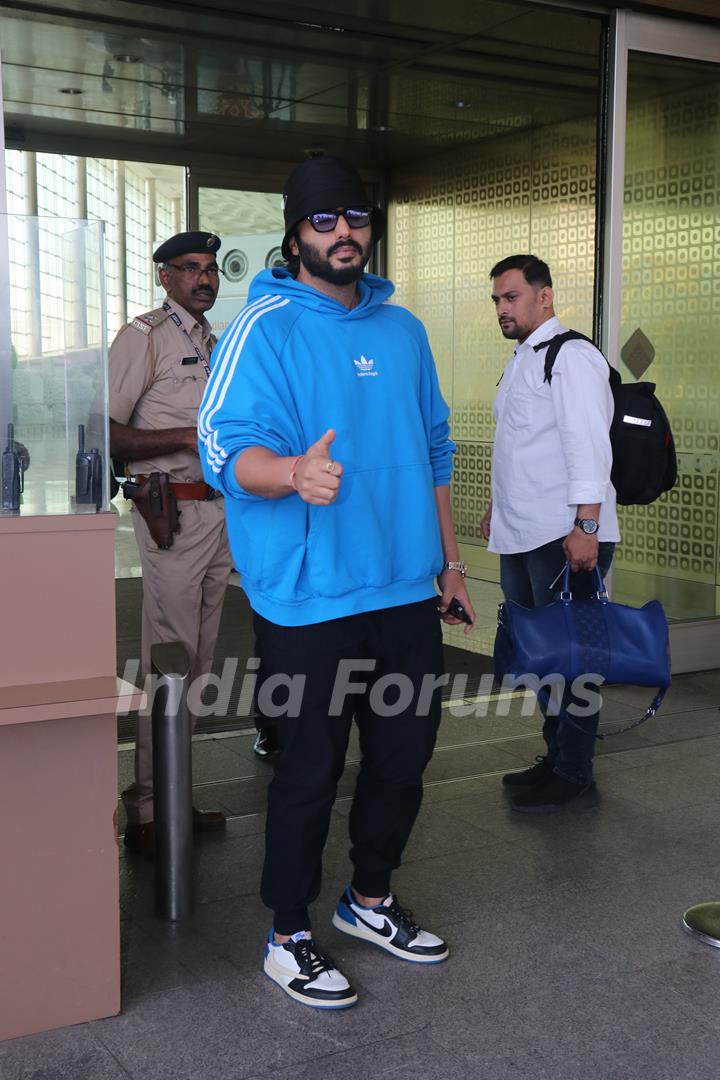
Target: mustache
(345,244)
(203,289)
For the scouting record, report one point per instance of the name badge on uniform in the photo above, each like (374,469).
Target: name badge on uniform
(189,360)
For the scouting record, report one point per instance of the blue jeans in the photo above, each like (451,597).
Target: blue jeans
(526,578)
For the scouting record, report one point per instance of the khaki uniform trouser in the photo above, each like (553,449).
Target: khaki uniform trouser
(183,590)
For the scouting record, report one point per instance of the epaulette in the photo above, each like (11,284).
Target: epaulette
(147,322)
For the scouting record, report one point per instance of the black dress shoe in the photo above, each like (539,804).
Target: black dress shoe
(540,773)
(556,794)
(266,745)
(208,820)
(140,839)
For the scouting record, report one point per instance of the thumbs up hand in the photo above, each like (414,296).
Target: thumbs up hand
(317,476)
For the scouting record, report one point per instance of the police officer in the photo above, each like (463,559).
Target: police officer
(159,365)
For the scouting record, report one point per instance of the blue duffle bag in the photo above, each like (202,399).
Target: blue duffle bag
(571,638)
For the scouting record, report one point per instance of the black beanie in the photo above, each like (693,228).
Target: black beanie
(324,183)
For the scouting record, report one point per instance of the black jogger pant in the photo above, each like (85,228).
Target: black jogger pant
(396,654)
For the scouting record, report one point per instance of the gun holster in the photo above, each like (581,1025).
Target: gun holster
(157,504)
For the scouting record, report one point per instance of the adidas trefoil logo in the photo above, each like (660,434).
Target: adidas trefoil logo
(364,366)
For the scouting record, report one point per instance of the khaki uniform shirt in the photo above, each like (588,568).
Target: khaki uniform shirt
(151,388)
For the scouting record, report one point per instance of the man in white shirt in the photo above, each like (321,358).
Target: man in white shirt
(552,499)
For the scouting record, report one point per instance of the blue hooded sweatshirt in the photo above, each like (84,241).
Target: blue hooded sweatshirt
(292,364)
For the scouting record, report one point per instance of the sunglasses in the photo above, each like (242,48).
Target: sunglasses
(357,217)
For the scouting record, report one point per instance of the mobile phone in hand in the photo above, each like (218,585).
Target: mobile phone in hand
(456,609)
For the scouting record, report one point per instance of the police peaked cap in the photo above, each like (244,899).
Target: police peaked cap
(187,243)
(325,182)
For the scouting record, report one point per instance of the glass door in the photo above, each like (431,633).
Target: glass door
(250,225)
(661,310)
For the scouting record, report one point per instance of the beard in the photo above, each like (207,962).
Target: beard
(318,263)
(512,332)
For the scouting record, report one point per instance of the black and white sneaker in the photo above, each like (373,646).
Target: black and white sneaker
(389,926)
(306,974)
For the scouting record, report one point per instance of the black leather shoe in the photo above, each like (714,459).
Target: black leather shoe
(539,773)
(266,745)
(208,820)
(140,839)
(555,794)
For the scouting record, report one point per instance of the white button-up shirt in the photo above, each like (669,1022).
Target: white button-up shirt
(552,444)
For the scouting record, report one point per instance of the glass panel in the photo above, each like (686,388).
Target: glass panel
(54,380)
(250,225)
(449,223)
(670,270)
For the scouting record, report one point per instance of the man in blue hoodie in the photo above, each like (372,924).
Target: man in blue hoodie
(324,426)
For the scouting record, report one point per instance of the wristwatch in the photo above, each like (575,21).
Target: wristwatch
(588,525)
(456,566)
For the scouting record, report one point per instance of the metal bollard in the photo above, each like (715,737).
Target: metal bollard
(172,782)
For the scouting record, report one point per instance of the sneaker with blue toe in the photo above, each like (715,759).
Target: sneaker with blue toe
(391,927)
(307,974)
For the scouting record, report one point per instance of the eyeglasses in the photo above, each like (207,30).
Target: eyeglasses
(196,270)
(357,217)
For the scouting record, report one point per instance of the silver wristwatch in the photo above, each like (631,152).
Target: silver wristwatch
(588,525)
(456,566)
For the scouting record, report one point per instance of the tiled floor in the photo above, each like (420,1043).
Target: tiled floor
(567,961)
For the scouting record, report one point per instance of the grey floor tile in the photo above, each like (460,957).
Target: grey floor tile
(220,1031)
(238,928)
(126,768)
(407,1057)
(435,833)
(640,920)
(677,785)
(137,887)
(441,791)
(159,956)
(490,955)
(235,797)
(609,1028)
(455,888)
(246,825)
(469,760)
(598,826)
(685,724)
(696,691)
(693,978)
(694,747)
(213,759)
(225,866)
(67,1054)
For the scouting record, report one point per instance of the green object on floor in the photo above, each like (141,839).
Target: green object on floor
(703,922)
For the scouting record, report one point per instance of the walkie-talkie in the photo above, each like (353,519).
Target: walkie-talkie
(83,471)
(96,477)
(12,473)
(88,473)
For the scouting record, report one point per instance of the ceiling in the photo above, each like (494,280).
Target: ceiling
(384,83)
(232,82)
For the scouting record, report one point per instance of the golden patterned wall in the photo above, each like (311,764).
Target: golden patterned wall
(458,213)
(451,220)
(671,289)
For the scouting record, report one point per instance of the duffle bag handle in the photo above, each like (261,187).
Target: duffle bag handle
(566,594)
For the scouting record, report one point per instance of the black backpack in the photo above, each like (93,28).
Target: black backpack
(643,449)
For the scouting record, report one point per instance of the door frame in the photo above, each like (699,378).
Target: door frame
(695,645)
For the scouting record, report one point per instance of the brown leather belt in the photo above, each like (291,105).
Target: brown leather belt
(198,490)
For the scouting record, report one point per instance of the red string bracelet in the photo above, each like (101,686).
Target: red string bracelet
(293,470)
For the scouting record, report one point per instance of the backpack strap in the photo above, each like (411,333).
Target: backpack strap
(553,346)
